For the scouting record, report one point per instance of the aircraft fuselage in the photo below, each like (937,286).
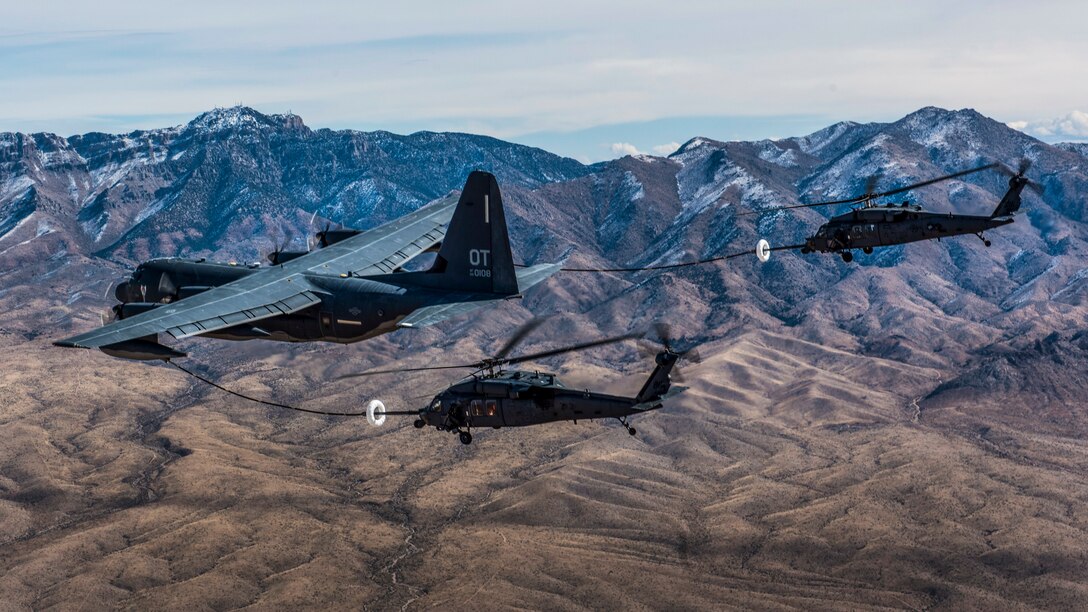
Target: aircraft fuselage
(866,228)
(351,308)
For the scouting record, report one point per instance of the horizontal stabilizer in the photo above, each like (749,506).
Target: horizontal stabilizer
(652,405)
(429,315)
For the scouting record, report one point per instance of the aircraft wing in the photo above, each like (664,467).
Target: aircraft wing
(280,290)
(385,248)
(225,306)
(429,315)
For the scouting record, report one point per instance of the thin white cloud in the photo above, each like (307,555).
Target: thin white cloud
(619,149)
(560,66)
(1073,126)
(666,149)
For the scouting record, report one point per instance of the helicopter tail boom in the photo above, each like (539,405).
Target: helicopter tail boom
(1010,203)
(657,386)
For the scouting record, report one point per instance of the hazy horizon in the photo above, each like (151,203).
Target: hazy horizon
(589,81)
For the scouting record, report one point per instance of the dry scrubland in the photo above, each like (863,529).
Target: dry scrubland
(789,475)
(908,431)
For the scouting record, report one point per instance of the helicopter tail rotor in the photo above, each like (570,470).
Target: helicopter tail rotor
(663,338)
(1010,202)
(1018,175)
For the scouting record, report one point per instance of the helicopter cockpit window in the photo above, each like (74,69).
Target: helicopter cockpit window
(476,407)
(822,232)
(436,405)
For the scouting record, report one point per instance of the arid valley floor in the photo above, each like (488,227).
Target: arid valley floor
(788,476)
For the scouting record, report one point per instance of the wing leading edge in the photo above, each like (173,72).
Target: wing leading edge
(222,307)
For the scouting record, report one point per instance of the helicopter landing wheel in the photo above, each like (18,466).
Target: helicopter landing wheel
(466,437)
(847,256)
(867,250)
(986,242)
(623,421)
(419,423)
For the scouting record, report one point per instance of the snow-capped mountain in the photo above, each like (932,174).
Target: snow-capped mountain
(193,187)
(233,182)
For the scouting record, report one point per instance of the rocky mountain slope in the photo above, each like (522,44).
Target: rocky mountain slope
(903,431)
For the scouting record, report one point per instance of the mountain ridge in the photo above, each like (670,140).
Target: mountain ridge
(903,431)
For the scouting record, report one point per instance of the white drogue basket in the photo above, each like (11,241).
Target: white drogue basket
(375,413)
(763,250)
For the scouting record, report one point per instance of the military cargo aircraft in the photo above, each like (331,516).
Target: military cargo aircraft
(349,289)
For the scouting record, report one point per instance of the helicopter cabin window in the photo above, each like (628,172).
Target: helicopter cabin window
(483,408)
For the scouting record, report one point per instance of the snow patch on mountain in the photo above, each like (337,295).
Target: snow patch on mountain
(15,187)
(816,142)
(96,227)
(871,159)
(153,208)
(771,152)
(16,226)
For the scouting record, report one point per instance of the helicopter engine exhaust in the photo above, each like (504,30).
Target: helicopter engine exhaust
(763,250)
(375,413)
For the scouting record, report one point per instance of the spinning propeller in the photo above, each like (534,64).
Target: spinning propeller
(280,244)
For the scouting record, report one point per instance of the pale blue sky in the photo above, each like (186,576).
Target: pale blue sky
(592,80)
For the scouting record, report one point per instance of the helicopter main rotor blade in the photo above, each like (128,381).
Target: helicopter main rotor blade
(568,349)
(402,370)
(939,179)
(518,336)
(495,361)
(873,196)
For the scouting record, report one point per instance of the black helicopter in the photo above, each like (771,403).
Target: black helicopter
(875,226)
(496,397)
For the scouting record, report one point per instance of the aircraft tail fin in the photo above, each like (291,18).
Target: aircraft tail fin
(1010,203)
(475,254)
(657,386)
